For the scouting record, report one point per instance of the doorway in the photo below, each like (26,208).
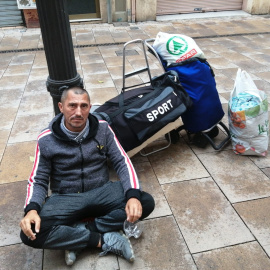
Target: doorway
(83,10)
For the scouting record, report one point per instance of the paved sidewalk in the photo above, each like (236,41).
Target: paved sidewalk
(212,207)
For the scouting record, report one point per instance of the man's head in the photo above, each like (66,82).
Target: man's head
(75,105)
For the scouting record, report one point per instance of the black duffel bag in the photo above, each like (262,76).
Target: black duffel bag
(137,114)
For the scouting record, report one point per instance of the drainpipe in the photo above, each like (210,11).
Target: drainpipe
(58,47)
(133,11)
(109,11)
(128,10)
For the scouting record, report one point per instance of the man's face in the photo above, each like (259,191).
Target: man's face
(76,110)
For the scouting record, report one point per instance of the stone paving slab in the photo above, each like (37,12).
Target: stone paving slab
(205,217)
(40,60)
(101,95)
(267,171)
(14,69)
(24,58)
(16,163)
(150,184)
(3,141)
(117,72)
(109,51)
(87,259)
(33,104)
(248,256)
(221,63)
(27,127)
(100,80)
(36,84)
(10,98)
(10,42)
(224,84)
(10,82)
(256,215)
(91,59)
(20,257)
(29,40)
(179,161)
(237,176)
(12,198)
(94,68)
(39,74)
(163,247)
(261,162)
(8,119)
(129,82)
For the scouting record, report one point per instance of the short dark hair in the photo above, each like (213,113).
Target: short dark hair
(76,90)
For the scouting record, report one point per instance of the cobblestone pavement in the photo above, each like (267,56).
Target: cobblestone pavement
(212,207)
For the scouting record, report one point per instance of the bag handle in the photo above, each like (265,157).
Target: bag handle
(244,83)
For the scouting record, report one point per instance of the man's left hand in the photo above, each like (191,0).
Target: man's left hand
(133,209)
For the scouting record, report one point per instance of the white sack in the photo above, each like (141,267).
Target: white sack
(249,127)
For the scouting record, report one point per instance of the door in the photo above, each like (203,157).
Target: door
(191,6)
(10,15)
(83,10)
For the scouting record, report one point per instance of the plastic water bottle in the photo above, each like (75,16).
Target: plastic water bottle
(133,229)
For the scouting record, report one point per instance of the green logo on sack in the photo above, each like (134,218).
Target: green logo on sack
(176,45)
(264,127)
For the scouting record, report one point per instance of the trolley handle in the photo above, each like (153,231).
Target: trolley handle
(144,69)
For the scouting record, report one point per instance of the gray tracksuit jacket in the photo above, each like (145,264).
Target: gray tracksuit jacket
(71,167)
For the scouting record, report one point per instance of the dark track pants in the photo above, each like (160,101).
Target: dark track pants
(61,211)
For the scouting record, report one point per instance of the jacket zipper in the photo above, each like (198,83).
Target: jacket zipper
(82,171)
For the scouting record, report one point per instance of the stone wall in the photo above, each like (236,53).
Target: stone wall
(256,6)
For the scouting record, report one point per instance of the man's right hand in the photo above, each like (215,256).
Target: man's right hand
(31,217)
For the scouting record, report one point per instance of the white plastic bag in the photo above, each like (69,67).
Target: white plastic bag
(249,127)
(175,48)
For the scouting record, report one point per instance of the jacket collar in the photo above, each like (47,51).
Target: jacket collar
(57,131)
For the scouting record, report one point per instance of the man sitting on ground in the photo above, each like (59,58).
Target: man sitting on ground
(71,156)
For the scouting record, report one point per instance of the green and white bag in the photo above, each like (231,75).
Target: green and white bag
(176,48)
(248,117)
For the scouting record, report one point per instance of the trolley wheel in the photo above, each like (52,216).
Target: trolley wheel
(213,132)
(175,137)
(200,140)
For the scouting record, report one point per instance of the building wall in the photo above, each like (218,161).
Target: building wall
(256,6)
(31,18)
(103,10)
(118,14)
(146,10)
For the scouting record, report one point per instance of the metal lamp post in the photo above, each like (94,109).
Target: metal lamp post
(58,46)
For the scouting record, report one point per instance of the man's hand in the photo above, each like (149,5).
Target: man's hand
(133,209)
(31,217)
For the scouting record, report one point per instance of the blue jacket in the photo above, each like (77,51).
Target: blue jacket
(71,167)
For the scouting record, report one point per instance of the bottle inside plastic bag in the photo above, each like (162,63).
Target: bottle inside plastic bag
(133,229)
